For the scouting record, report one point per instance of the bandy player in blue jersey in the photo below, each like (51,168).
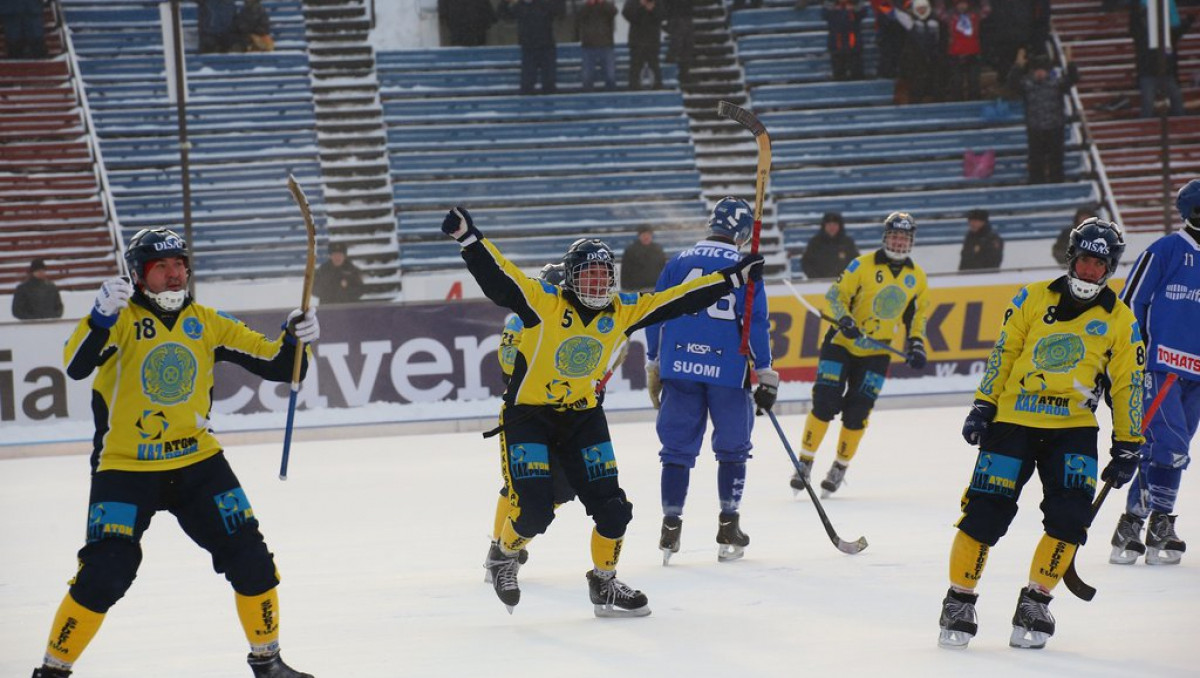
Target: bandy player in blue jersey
(1163,289)
(694,371)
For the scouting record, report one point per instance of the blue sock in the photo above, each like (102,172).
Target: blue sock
(731,481)
(675,480)
(1163,482)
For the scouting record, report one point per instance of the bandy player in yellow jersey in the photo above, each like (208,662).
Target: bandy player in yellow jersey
(551,415)
(152,351)
(879,296)
(1061,344)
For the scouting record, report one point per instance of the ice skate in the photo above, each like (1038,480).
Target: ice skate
(959,622)
(47,672)
(801,478)
(272,666)
(668,543)
(1127,540)
(1163,546)
(522,556)
(1032,622)
(613,598)
(833,479)
(503,570)
(731,541)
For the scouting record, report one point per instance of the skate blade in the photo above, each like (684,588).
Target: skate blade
(609,612)
(1159,557)
(1120,556)
(1027,640)
(825,494)
(667,553)
(954,640)
(729,552)
(509,608)
(487,577)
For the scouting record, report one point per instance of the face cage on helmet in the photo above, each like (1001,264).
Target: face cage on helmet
(1082,289)
(596,292)
(901,253)
(167,300)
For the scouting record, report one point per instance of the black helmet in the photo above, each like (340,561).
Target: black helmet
(596,292)
(1098,238)
(903,223)
(147,245)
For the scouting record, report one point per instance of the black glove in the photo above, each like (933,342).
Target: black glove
(459,225)
(1124,463)
(749,268)
(768,389)
(916,353)
(847,327)
(978,421)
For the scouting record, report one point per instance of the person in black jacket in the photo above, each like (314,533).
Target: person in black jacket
(827,254)
(642,262)
(535,34)
(645,19)
(982,248)
(37,297)
(1042,90)
(1059,249)
(338,281)
(467,21)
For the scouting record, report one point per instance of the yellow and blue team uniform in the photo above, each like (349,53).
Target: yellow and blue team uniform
(1049,369)
(551,414)
(887,299)
(154,451)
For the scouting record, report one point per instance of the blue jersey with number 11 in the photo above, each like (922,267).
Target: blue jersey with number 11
(704,346)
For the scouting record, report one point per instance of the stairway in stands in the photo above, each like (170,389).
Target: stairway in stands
(1130,146)
(726,152)
(352,140)
(50,199)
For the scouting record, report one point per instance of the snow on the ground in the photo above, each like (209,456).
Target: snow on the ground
(380,543)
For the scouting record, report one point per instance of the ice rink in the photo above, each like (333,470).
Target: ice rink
(380,543)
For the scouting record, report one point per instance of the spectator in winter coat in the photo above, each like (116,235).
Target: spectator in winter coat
(889,37)
(645,19)
(1059,249)
(1149,82)
(535,34)
(642,262)
(24,34)
(595,22)
(844,19)
(467,21)
(921,58)
(1008,30)
(1042,90)
(337,280)
(982,248)
(830,250)
(215,23)
(681,28)
(964,49)
(37,297)
(253,28)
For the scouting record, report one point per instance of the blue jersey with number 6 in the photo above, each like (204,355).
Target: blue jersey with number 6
(704,346)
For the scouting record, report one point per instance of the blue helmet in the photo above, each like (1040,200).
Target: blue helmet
(732,218)
(1097,238)
(1188,203)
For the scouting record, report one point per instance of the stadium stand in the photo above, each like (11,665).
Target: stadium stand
(537,171)
(51,203)
(250,123)
(846,147)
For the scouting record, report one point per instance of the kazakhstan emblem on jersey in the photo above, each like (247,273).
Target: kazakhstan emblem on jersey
(169,374)
(889,303)
(578,356)
(1058,353)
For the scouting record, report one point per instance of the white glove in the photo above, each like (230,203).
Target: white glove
(304,325)
(653,384)
(113,296)
(768,389)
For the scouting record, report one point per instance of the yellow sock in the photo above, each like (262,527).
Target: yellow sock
(1050,560)
(967,560)
(848,441)
(501,514)
(74,627)
(814,433)
(260,620)
(510,541)
(605,552)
